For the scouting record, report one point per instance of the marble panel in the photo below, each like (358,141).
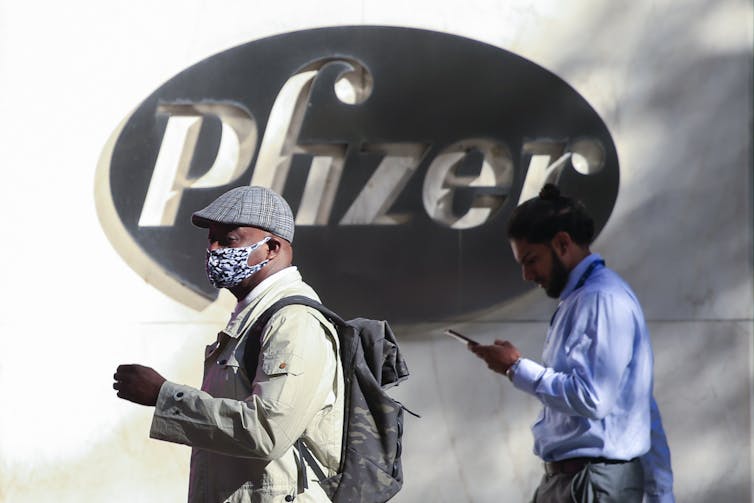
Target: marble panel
(473,441)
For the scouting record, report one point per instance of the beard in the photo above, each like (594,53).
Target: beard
(558,277)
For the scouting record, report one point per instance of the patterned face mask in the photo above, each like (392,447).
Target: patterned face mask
(227,267)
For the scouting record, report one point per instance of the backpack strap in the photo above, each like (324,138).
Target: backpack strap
(254,339)
(309,457)
(251,361)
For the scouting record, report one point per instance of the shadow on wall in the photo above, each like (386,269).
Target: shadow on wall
(681,231)
(679,106)
(707,417)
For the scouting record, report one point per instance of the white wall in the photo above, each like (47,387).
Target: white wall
(671,78)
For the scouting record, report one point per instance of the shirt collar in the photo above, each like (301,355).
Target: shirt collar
(576,272)
(290,272)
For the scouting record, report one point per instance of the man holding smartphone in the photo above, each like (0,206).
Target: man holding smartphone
(599,432)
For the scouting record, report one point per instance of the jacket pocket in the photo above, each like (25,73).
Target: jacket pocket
(281,363)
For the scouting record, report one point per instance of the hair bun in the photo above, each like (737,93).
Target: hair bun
(550,192)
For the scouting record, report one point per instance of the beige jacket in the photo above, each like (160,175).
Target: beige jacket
(242,432)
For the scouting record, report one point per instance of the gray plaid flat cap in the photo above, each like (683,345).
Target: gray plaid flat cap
(249,207)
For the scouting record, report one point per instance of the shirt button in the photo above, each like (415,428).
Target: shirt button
(282,365)
(289,498)
(176,412)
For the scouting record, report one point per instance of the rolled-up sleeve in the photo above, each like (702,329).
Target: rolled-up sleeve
(293,382)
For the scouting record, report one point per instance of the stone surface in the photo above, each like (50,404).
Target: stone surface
(481,446)
(671,78)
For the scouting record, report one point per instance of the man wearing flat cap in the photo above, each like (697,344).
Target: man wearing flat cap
(242,428)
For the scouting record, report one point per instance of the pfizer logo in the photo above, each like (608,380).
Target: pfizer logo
(401,152)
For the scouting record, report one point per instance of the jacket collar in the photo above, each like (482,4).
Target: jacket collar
(247,305)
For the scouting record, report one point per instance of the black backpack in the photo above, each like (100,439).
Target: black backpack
(370,468)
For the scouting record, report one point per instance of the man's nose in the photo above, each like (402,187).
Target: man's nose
(213,245)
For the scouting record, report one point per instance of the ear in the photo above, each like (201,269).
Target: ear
(273,247)
(562,243)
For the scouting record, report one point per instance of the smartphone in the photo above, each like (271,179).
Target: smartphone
(460,337)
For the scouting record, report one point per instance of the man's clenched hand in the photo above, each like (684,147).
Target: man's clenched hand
(138,384)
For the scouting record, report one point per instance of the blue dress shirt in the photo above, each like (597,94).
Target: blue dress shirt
(596,380)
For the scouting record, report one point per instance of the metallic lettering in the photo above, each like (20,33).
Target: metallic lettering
(170,177)
(385,185)
(488,187)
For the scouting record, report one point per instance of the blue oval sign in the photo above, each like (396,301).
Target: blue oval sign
(401,152)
